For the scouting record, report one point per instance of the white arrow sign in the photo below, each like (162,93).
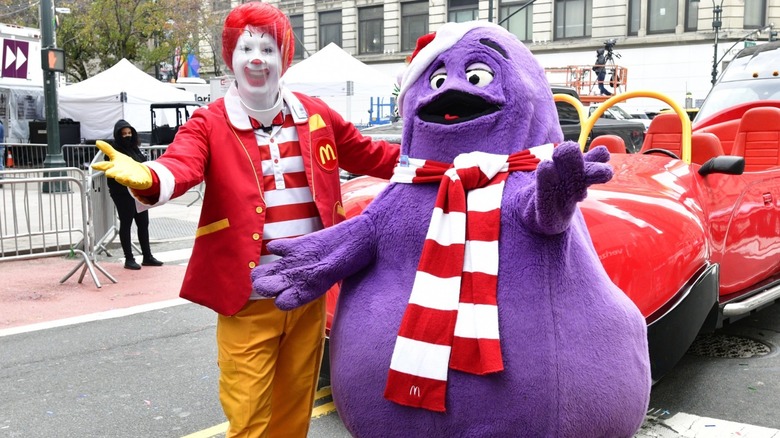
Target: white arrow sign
(9,56)
(20,58)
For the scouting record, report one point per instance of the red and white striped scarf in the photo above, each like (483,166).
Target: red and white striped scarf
(452,317)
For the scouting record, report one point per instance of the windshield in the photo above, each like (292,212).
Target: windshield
(751,76)
(623,113)
(614,112)
(728,94)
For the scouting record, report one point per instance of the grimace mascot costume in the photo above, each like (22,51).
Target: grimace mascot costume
(473,303)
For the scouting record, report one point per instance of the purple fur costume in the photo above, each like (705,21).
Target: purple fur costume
(574,346)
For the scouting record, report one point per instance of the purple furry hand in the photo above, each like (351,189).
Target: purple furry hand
(283,278)
(311,264)
(597,171)
(570,173)
(563,182)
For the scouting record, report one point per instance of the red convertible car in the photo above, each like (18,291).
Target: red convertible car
(689,228)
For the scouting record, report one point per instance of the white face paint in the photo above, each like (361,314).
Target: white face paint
(257,65)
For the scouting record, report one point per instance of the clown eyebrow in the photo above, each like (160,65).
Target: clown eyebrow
(251,34)
(493,45)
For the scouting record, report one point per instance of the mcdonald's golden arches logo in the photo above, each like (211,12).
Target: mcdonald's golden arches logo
(325,154)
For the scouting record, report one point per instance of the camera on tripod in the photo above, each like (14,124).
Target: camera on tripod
(609,45)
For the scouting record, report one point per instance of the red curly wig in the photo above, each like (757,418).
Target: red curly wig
(261,15)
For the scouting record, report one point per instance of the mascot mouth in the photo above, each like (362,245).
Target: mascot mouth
(453,107)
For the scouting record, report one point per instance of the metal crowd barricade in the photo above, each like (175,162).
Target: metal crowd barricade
(47,212)
(59,211)
(154,152)
(104,214)
(105,222)
(22,155)
(79,155)
(32,155)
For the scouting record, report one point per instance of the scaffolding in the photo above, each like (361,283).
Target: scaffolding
(584,80)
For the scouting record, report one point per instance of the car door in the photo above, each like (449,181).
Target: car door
(745,227)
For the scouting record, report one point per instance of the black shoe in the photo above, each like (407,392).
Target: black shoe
(151,262)
(131,264)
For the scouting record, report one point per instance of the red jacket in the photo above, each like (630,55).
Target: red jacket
(230,231)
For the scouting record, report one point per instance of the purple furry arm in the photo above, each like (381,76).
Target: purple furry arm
(311,264)
(548,206)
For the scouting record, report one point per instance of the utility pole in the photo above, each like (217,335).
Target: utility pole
(49,64)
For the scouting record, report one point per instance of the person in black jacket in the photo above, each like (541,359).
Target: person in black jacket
(601,71)
(126,141)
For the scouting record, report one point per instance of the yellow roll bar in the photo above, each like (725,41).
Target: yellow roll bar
(587,123)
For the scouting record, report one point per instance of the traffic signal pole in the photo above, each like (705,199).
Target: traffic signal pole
(54,149)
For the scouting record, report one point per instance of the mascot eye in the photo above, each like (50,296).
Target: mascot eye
(437,78)
(479,75)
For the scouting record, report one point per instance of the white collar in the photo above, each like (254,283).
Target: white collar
(239,118)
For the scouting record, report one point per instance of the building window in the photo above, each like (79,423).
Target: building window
(518,18)
(573,18)
(296,21)
(691,16)
(370,27)
(330,28)
(463,10)
(220,5)
(414,23)
(755,14)
(635,16)
(661,16)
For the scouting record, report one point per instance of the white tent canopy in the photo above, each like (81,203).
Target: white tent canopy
(325,75)
(121,92)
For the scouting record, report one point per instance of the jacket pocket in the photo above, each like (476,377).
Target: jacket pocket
(212,227)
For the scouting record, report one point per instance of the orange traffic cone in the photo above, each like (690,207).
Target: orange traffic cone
(9,160)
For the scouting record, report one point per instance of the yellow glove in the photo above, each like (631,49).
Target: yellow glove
(123,169)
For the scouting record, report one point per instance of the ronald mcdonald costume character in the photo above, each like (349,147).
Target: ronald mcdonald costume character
(473,302)
(270,159)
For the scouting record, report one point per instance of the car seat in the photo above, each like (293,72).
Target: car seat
(758,139)
(614,143)
(705,145)
(665,132)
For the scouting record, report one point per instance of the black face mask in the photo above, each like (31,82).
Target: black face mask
(126,141)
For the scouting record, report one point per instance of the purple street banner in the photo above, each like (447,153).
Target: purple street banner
(15,54)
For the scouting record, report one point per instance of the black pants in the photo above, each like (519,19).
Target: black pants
(602,74)
(125,207)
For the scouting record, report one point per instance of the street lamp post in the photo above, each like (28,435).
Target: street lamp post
(717,10)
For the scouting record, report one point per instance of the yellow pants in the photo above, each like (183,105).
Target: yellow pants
(269,363)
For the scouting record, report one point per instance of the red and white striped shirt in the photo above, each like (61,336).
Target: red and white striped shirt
(290,207)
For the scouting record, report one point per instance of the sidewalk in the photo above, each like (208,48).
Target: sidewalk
(31,292)
(173,221)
